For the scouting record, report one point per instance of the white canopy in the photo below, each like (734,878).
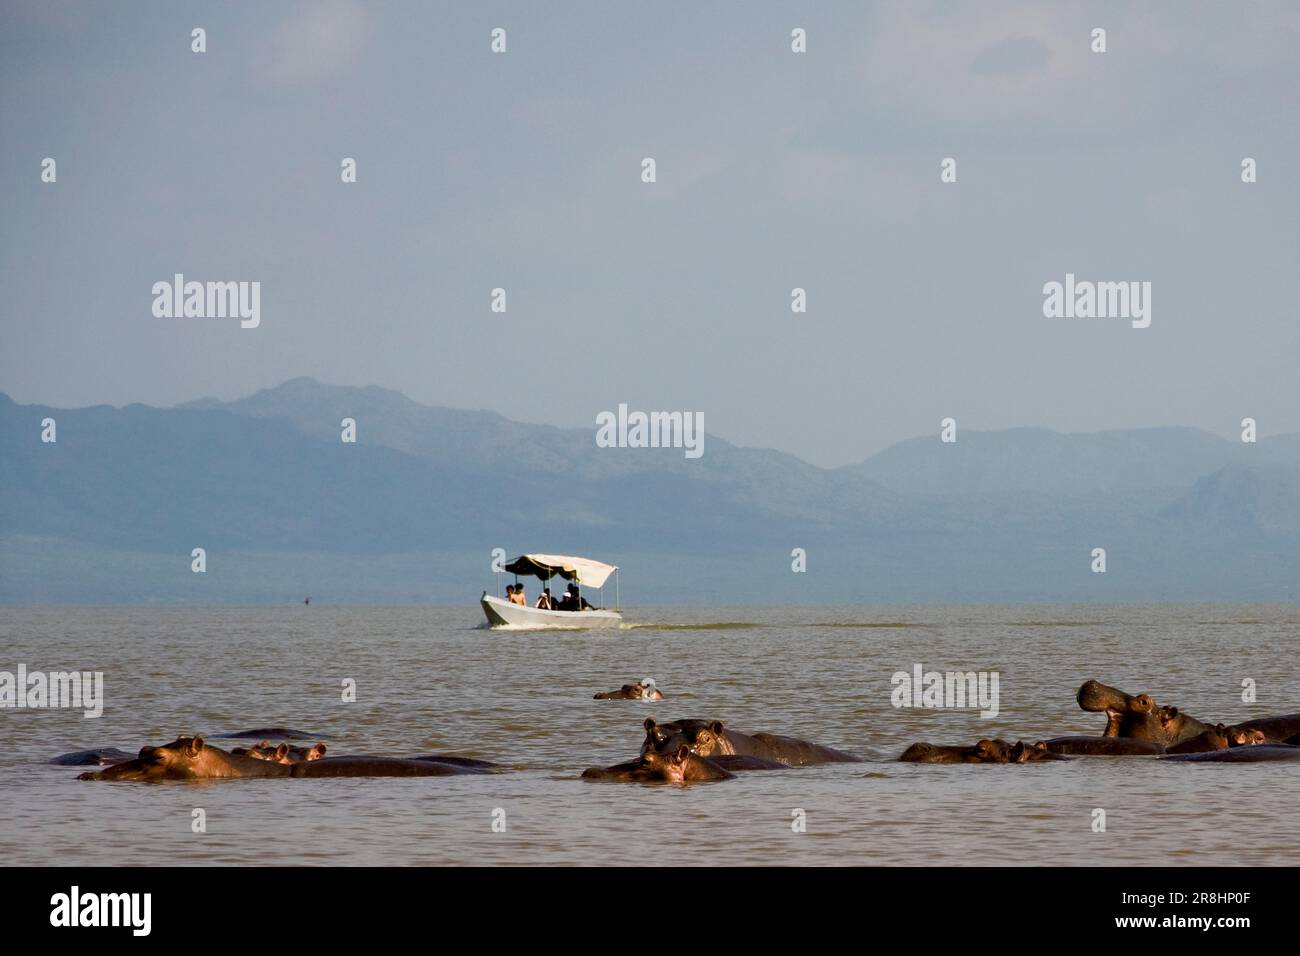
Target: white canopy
(583,570)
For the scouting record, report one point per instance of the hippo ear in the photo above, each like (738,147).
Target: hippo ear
(649,724)
(315,752)
(682,753)
(716,727)
(281,751)
(196,744)
(1040,745)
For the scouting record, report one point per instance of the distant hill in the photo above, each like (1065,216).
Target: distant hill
(1046,462)
(413,509)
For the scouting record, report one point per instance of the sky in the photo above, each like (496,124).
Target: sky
(775,170)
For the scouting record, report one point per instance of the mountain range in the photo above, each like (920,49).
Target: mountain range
(411,511)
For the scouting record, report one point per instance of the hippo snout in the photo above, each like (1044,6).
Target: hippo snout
(1094,695)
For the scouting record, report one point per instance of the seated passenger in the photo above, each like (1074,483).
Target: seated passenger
(580,602)
(544,600)
(566,603)
(519,597)
(510,593)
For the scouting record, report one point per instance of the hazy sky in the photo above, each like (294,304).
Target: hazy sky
(775,170)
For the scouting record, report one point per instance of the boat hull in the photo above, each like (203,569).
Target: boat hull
(501,613)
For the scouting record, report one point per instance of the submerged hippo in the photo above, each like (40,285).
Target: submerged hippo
(365,766)
(709,738)
(283,753)
(986,751)
(1103,746)
(1275,730)
(1022,752)
(188,758)
(679,766)
(1138,717)
(1250,753)
(641,690)
(104,757)
(467,763)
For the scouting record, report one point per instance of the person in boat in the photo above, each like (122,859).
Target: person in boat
(566,602)
(544,600)
(580,602)
(518,597)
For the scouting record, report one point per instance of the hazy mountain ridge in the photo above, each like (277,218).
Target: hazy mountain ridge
(269,474)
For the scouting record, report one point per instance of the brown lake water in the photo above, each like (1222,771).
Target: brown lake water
(430,679)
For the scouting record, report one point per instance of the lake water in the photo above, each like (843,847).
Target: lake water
(430,679)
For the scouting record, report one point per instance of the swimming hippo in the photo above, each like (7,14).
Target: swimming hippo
(679,766)
(1250,753)
(641,690)
(467,763)
(1138,717)
(366,766)
(986,751)
(1220,737)
(1022,752)
(283,753)
(1103,746)
(1243,735)
(708,738)
(1276,730)
(188,758)
(104,757)
(267,733)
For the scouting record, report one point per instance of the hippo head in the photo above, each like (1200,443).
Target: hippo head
(285,754)
(667,737)
(1022,752)
(1096,696)
(670,766)
(991,751)
(175,759)
(707,741)
(1126,715)
(986,751)
(1242,735)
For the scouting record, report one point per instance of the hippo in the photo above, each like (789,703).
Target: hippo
(1243,735)
(679,766)
(1249,753)
(1276,730)
(367,766)
(1022,752)
(1103,746)
(188,758)
(282,754)
(641,690)
(468,763)
(267,733)
(708,738)
(986,751)
(1138,717)
(1221,737)
(103,757)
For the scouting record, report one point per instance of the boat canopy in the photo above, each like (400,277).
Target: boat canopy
(545,566)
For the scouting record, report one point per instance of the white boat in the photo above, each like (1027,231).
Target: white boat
(581,571)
